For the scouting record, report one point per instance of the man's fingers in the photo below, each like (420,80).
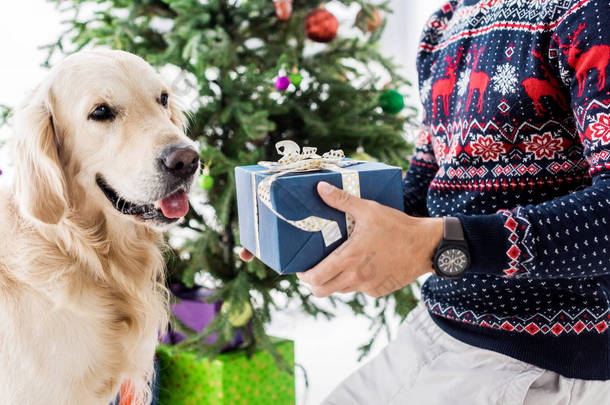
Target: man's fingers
(245,255)
(336,284)
(348,290)
(323,272)
(340,199)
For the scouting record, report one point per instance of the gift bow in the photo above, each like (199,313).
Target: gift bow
(295,161)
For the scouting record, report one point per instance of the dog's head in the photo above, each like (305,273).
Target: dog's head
(105,129)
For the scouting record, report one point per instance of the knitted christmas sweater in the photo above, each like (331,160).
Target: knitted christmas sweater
(516,143)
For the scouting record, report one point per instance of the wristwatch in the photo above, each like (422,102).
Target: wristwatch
(452,257)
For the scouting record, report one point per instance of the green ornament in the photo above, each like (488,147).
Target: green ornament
(205,181)
(295,78)
(392,102)
(362,156)
(237,316)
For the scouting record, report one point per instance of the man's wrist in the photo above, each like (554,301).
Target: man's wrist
(433,234)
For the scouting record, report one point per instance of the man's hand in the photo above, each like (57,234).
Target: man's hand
(245,255)
(386,251)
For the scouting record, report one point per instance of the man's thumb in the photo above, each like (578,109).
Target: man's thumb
(337,198)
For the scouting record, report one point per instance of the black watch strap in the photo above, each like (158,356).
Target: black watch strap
(453,229)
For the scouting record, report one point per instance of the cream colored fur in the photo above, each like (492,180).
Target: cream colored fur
(82,296)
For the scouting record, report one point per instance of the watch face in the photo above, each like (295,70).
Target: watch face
(452,261)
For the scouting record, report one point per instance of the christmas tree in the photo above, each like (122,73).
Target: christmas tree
(262,71)
(4,114)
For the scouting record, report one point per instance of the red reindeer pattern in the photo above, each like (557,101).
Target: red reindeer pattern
(478,80)
(444,87)
(597,57)
(538,88)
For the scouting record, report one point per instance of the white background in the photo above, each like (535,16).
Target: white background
(327,350)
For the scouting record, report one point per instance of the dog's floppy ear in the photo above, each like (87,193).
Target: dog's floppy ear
(40,185)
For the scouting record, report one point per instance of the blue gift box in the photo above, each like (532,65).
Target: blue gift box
(284,247)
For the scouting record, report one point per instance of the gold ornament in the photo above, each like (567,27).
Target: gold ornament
(368,23)
(238,316)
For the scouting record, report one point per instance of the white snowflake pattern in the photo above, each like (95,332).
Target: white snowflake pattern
(425,89)
(601,129)
(487,148)
(544,146)
(505,79)
(463,82)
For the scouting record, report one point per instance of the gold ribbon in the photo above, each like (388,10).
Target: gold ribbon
(295,161)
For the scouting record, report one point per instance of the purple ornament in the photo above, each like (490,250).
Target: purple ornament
(192,310)
(282,83)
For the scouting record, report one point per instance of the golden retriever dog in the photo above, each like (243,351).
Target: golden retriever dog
(102,166)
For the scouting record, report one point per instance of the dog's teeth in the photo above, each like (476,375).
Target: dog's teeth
(157,205)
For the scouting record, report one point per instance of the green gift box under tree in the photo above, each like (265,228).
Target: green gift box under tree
(186,377)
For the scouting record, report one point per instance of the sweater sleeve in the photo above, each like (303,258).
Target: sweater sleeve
(567,237)
(421,171)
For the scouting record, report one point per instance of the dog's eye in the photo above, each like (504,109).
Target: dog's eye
(163,99)
(102,113)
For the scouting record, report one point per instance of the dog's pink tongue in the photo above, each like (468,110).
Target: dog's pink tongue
(175,205)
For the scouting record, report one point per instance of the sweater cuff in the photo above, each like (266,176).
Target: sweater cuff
(488,243)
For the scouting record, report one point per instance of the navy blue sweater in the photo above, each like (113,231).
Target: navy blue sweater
(516,142)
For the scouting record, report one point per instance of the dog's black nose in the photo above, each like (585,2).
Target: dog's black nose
(180,161)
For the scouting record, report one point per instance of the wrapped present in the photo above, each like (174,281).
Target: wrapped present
(194,312)
(191,309)
(188,378)
(284,222)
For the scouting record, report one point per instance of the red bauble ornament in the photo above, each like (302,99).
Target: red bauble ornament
(283,9)
(321,25)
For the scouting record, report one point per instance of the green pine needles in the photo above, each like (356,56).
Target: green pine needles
(5,113)
(226,56)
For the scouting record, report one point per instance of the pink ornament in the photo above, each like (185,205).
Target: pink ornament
(283,9)
(282,83)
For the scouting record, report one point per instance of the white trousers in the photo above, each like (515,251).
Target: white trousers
(426,366)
